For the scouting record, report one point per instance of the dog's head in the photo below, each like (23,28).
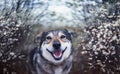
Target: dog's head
(55,45)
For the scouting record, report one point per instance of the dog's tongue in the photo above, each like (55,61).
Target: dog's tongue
(57,54)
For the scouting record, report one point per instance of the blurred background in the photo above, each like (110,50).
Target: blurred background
(96,22)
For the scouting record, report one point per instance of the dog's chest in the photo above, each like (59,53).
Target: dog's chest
(58,70)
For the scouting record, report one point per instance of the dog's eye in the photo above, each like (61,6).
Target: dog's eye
(63,36)
(48,38)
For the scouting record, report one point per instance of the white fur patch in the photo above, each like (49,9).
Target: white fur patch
(58,70)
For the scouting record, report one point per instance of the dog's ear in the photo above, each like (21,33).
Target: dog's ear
(37,40)
(72,33)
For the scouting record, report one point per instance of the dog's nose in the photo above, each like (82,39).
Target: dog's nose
(56,44)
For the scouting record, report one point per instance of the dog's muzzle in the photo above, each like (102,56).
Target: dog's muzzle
(57,52)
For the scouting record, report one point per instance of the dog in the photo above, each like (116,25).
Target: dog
(52,53)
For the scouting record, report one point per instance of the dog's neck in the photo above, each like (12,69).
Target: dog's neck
(51,68)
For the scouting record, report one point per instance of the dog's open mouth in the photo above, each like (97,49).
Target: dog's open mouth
(57,54)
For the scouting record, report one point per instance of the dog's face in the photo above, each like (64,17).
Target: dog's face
(56,45)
